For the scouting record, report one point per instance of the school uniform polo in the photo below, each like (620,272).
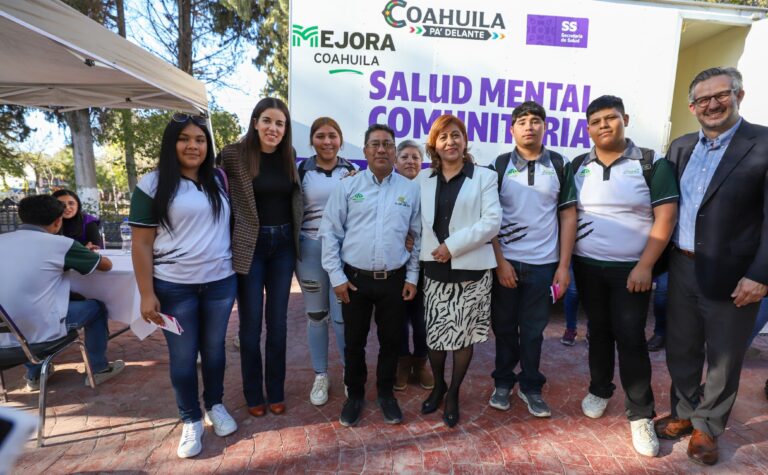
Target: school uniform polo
(531,196)
(317,185)
(196,249)
(34,289)
(615,206)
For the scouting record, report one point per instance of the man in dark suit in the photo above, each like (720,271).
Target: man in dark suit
(719,267)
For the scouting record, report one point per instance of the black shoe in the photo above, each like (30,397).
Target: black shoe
(451,411)
(350,413)
(432,402)
(390,409)
(656,342)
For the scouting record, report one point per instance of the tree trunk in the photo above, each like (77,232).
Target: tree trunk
(185,36)
(127,114)
(79,123)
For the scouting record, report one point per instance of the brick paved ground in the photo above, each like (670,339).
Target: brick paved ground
(130,424)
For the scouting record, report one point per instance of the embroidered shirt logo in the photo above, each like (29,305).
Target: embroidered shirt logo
(547,171)
(513,172)
(584,172)
(632,172)
(402,202)
(358,197)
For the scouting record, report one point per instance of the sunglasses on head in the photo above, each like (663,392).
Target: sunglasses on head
(197,119)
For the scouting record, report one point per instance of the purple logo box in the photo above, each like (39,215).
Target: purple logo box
(560,31)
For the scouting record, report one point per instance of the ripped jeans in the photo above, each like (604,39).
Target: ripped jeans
(320,303)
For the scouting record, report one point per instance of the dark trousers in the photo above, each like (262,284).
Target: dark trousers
(518,318)
(384,298)
(617,320)
(700,328)
(414,319)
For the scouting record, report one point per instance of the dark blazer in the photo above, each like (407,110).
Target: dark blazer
(731,227)
(244,214)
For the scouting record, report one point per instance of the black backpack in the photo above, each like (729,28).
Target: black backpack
(502,162)
(646,163)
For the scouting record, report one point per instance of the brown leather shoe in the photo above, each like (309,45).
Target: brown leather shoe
(277,408)
(257,411)
(672,428)
(423,371)
(404,364)
(702,448)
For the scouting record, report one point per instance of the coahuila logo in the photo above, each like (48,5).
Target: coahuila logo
(444,23)
(329,39)
(358,197)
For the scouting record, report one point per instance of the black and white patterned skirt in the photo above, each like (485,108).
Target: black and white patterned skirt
(458,314)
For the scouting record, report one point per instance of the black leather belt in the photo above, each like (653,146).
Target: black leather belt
(688,254)
(374,274)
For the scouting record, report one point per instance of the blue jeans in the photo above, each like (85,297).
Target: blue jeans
(571,303)
(660,304)
(203,312)
(762,319)
(519,317)
(271,273)
(91,315)
(322,307)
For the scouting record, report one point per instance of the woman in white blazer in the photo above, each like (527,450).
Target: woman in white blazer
(460,214)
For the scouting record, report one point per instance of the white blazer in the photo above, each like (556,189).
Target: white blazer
(475,220)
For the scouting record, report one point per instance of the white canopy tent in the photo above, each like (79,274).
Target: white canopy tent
(54,57)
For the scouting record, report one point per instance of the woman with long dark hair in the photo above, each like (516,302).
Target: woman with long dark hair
(320,174)
(180,216)
(460,214)
(78,225)
(267,208)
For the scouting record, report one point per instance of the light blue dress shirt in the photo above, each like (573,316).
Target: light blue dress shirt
(698,174)
(365,224)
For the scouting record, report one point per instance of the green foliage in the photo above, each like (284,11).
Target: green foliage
(13,129)
(273,49)
(749,3)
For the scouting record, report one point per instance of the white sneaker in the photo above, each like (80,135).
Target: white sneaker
(191,442)
(319,394)
(219,418)
(644,437)
(593,406)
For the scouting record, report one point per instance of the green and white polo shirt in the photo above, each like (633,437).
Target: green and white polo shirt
(197,249)
(615,206)
(34,288)
(531,196)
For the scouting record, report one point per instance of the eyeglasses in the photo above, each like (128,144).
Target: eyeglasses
(721,97)
(375,145)
(197,119)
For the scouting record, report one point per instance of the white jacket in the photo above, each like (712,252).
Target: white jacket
(475,220)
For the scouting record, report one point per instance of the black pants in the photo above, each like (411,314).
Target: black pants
(385,299)
(617,320)
(697,328)
(519,317)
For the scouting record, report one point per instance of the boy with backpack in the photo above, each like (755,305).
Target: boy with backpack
(627,209)
(533,254)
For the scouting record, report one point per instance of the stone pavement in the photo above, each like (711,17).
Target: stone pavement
(130,424)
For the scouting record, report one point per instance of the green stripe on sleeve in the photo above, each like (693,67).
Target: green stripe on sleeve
(663,184)
(81,259)
(142,213)
(567,188)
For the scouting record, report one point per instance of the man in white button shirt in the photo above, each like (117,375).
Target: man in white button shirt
(364,228)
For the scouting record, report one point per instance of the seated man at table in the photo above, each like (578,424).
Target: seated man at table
(35,292)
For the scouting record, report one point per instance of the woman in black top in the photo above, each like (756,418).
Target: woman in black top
(267,209)
(79,226)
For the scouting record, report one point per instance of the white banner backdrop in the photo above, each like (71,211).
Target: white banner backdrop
(404,63)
